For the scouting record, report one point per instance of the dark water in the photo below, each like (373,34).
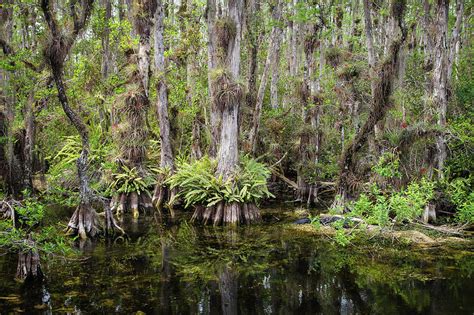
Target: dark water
(266,269)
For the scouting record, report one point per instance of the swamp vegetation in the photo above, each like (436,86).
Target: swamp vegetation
(236,156)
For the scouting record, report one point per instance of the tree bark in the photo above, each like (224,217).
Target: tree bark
(272,48)
(162,103)
(370,43)
(29,142)
(275,72)
(440,77)
(215,113)
(227,156)
(162,108)
(354,24)
(143,24)
(106,54)
(294,31)
(192,70)
(6,32)
(227,98)
(381,103)
(455,39)
(84,220)
(371,60)
(252,46)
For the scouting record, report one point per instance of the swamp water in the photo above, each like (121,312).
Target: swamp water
(267,269)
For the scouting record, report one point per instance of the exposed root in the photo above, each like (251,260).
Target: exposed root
(7,210)
(227,214)
(122,204)
(308,192)
(198,213)
(29,266)
(162,196)
(132,202)
(85,220)
(110,223)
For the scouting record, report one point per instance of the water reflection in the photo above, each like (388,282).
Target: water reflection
(183,269)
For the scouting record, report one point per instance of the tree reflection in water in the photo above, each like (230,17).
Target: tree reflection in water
(183,269)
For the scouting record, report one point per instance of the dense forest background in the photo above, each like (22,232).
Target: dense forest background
(358,106)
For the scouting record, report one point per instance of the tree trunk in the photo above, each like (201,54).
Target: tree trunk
(29,142)
(371,59)
(192,70)
(338,19)
(227,155)
(106,54)
(162,107)
(162,103)
(354,24)
(455,38)
(227,94)
(84,220)
(216,114)
(428,47)
(370,43)
(6,32)
(381,103)
(272,48)
(294,30)
(252,47)
(440,78)
(275,72)
(143,24)
(312,102)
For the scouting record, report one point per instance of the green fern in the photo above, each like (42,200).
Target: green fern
(199,185)
(131,180)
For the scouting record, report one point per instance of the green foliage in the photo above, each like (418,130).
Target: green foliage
(410,203)
(131,180)
(63,169)
(388,166)
(30,214)
(405,205)
(316,222)
(461,145)
(199,185)
(342,237)
(460,192)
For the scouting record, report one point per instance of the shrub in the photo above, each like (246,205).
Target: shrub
(199,185)
(459,192)
(29,217)
(388,166)
(63,174)
(405,205)
(131,180)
